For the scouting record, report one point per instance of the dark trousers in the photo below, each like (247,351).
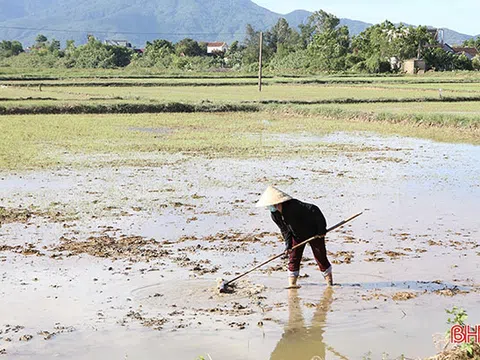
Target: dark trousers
(319,253)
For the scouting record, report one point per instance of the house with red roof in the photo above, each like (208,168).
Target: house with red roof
(217,47)
(469,52)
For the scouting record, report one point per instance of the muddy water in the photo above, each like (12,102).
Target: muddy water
(413,253)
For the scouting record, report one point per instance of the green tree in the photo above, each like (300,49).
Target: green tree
(278,34)
(204,48)
(233,48)
(69,59)
(93,55)
(462,62)
(441,60)
(376,64)
(10,48)
(251,46)
(473,42)
(234,55)
(330,43)
(306,33)
(122,56)
(160,44)
(188,47)
(54,46)
(158,53)
(281,39)
(40,40)
(382,42)
(70,46)
(438,59)
(476,63)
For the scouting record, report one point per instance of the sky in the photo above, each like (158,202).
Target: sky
(459,15)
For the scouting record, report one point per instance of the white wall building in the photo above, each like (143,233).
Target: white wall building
(214,47)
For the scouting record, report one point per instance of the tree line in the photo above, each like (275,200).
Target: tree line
(320,45)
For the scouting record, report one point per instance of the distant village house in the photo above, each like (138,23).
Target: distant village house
(469,52)
(217,47)
(123,43)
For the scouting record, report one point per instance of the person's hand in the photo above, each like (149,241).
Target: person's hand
(287,252)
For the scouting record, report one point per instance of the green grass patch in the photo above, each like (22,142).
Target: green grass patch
(232,93)
(469,122)
(44,141)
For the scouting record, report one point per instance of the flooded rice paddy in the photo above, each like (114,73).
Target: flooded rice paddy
(121,262)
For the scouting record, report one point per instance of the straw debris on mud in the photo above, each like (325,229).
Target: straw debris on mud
(405,295)
(450,291)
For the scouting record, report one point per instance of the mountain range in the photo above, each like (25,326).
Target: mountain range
(139,21)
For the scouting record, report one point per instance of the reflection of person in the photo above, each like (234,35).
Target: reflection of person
(298,341)
(298,221)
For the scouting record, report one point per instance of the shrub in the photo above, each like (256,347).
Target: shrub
(375,65)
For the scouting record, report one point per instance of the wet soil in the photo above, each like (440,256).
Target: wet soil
(130,255)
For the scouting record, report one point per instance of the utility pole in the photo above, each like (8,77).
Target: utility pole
(260,63)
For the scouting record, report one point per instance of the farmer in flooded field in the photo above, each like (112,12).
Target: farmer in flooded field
(298,221)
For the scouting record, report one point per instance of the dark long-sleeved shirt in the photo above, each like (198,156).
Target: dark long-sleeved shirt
(299,220)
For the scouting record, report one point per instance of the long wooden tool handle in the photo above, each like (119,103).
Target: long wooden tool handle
(296,246)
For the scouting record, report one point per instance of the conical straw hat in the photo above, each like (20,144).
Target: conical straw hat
(272,196)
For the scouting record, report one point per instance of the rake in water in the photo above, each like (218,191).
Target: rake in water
(223,285)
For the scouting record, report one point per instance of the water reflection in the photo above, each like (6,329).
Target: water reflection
(300,341)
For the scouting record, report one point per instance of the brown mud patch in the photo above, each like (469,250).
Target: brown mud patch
(373,256)
(27,250)
(125,247)
(153,323)
(342,257)
(394,254)
(8,216)
(22,216)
